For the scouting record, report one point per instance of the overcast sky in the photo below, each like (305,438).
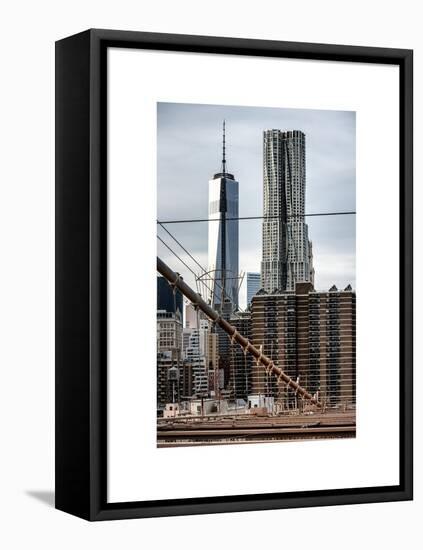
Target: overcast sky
(189,153)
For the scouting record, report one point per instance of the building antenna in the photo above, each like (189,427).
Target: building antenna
(224,149)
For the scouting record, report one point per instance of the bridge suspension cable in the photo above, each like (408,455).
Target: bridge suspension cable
(204,271)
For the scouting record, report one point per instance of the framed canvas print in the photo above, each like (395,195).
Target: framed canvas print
(233,274)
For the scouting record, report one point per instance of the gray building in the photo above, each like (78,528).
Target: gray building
(239,385)
(286,254)
(253,285)
(169,349)
(167,299)
(196,348)
(223,238)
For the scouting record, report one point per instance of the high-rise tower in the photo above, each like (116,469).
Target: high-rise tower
(253,285)
(223,237)
(287,256)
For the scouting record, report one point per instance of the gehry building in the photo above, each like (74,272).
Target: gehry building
(286,256)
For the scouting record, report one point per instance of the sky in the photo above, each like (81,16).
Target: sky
(189,152)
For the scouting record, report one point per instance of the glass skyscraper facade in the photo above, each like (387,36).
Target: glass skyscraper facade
(253,285)
(223,239)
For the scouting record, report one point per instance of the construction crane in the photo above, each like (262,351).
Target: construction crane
(177,282)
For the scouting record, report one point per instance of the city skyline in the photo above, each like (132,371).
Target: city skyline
(226,375)
(185,136)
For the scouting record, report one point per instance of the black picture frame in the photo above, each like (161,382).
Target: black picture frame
(81,274)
